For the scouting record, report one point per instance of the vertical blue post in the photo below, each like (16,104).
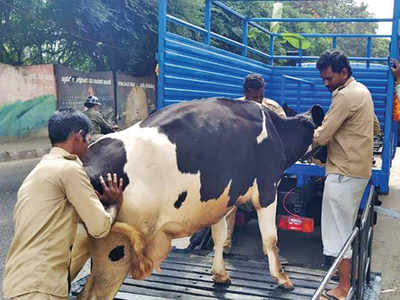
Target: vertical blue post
(207,22)
(271,48)
(387,147)
(369,51)
(245,36)
(334,42)
(162,31)
(283,83)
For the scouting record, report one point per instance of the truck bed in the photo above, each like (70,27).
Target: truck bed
(186,275)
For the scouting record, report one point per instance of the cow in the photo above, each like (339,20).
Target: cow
(184,167)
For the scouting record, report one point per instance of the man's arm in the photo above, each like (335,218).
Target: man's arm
(337,114)
(80,193)
(105,126)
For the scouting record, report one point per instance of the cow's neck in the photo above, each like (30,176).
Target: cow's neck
(293,134)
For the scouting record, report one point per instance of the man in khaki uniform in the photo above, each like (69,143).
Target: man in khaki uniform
(347,129)
(253,89)
(99,125)
(53,198)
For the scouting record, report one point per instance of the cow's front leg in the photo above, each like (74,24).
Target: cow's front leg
(218,232)
(159,245)
(112,260)
(266,223)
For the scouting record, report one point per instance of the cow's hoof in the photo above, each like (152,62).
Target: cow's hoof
(223,283)
(221,280)
(287,286)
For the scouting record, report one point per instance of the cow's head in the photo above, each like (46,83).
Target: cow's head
(316,116)
(297,131)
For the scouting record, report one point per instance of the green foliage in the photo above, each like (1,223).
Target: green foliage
(121,35)
(90,35)
(296,40)
(289,41)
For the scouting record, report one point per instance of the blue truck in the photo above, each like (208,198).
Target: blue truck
(192,69)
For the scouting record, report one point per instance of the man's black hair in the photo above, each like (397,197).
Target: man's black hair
(253,81)
(334,59)
(65,122)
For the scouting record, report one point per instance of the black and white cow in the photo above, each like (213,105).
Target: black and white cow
(184,167)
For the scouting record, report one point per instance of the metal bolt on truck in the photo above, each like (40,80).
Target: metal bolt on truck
(198,67)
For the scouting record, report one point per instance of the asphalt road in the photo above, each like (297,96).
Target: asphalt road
(11,176)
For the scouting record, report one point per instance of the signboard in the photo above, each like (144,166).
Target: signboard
(74,87)
(136,98)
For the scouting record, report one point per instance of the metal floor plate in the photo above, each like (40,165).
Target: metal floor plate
(188,276)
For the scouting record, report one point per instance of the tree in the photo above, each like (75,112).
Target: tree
(114,34)
(121,35)
(315,9)
(87,35)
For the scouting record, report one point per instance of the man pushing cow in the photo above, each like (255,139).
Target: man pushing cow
(51,200)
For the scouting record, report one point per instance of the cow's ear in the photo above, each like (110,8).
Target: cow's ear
(317,114)
(288,111)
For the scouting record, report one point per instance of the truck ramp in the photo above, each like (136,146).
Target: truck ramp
(187,275)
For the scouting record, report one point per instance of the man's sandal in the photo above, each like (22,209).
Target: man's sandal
(326,296)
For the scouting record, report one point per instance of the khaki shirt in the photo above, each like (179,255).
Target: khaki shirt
(347,129)
(99,124)
(51,200)
(272,105)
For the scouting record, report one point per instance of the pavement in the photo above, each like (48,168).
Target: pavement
(24,148)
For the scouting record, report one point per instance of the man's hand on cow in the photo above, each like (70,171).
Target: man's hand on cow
(112,190)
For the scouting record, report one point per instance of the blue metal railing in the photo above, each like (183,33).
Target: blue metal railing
(319,20)
(361,240)
(380,176)
(246,22)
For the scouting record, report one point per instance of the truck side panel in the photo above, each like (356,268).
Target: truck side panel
(195,70)
(300,96)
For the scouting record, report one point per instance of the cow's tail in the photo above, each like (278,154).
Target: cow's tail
(142,266)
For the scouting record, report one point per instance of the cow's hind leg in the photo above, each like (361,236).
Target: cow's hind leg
(219,231)
(111,263)
(266,223)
